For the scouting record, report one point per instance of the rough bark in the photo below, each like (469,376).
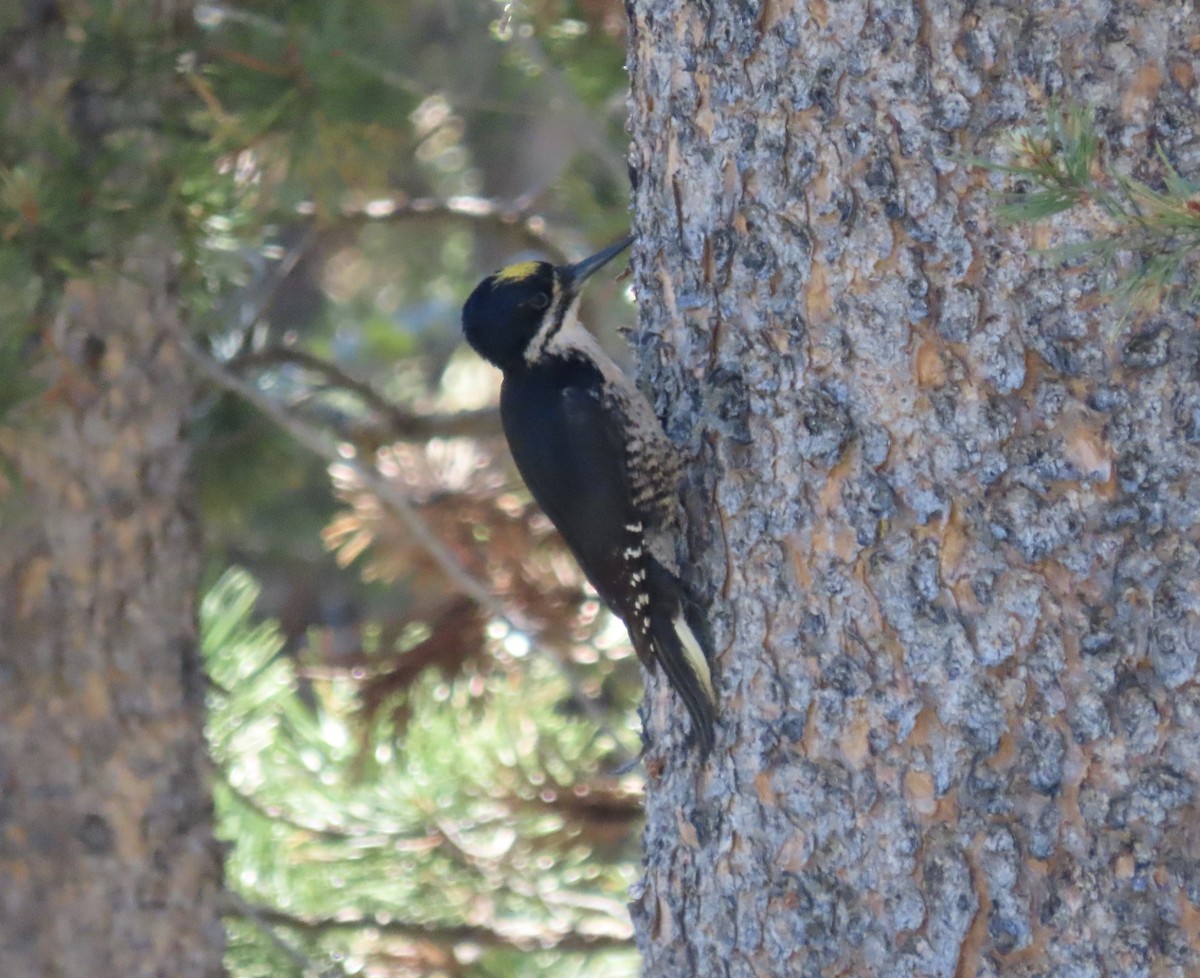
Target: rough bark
(108,866)
(942,510)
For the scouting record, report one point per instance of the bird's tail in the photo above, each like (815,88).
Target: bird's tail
(683,660)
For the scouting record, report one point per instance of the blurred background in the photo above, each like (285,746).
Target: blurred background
(416,704)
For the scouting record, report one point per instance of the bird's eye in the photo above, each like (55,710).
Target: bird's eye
(540,301)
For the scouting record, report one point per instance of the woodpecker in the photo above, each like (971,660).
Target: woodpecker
(591,450)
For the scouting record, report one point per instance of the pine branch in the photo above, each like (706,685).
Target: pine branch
(516,936)
(235,905)
(361,836)
(513,217)
(213,14)
(1148,240)
(586,130)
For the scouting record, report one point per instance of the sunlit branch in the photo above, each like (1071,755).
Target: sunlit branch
(321,444)
(509,216)
(523,938)
(483,423)
(402,842)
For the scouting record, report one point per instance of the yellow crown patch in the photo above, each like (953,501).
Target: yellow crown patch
(514,273)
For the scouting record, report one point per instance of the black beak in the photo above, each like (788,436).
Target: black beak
(573,276)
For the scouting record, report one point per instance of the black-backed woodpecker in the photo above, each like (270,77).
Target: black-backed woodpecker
(590,449)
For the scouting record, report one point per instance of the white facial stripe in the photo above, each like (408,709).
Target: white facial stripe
(561,316)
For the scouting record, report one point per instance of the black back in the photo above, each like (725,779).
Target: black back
(571,454)
(570,449)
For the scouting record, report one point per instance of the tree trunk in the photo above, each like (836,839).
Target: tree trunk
(108,865)
(942,509)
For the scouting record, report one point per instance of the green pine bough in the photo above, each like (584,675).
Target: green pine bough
(1146,239)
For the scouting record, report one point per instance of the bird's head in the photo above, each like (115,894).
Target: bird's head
(518,308)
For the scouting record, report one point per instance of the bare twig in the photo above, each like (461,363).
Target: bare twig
(320,444)
(484,423)
(394,498)
(511,216)
(279,275)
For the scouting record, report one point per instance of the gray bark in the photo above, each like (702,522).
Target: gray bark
(942,510)
(108,866)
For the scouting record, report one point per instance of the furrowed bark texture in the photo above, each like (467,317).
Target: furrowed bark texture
(108,865)
(943,502)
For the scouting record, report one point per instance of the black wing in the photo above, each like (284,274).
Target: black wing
(570,451)
(570,448)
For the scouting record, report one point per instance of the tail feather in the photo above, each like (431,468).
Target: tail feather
(682,659)
(653,613)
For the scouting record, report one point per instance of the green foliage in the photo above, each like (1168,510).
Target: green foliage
(1064,168)
(412,839)
(20,294)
